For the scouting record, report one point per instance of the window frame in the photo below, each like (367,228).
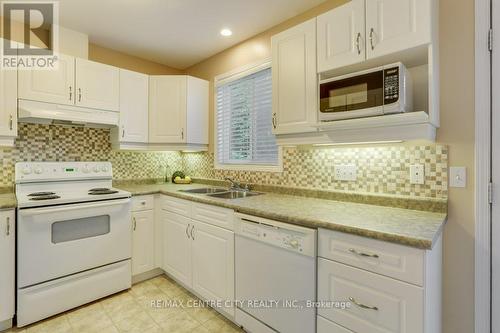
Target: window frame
(229,77)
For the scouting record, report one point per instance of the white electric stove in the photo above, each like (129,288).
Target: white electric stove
(73,237)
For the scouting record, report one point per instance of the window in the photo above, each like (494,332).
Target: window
(244,120)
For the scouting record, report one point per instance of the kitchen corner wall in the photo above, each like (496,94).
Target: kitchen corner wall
(48,143)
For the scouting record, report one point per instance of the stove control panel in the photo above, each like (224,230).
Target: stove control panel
(56,171)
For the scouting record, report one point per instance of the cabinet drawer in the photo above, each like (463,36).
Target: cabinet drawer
(393,260)
(221,217)
(175,205)
(326,326)
(397,306)
(145,202)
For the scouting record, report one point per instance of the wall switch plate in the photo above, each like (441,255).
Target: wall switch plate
(345,172)
(417,174)
(458,177)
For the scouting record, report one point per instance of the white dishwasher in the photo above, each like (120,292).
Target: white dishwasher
(275,265)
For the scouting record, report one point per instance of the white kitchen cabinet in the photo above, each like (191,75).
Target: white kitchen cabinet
(397,25)
(51,86)
(178,110)
(177,246)
(8,106)
(143,241)
(134,113)
(295,97)
(341,36)
(213,263)
(97,85)
(7,267)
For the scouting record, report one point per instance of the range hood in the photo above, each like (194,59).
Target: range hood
(48,113)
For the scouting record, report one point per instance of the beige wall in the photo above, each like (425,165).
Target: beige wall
(122,60)
(457,131)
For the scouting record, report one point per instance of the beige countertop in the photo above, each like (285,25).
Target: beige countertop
(413,228)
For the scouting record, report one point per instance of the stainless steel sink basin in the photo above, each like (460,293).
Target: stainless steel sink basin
(207,190)
(234,194)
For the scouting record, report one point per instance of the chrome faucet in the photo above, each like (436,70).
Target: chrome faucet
(237,186)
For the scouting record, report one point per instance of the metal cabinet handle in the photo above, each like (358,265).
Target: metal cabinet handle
(11,122)
(363,254)
(274,120)
(363,306)
(7,231)
(357,43)
(70,93)
(123,133)
(182,133)
(187,230)
(192,232)
(372,32)
(135,223)
(79,94)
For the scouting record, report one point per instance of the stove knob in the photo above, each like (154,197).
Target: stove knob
(96,169)
(104,168)
(294,243)
(26,170)
(38,170)
(86,169)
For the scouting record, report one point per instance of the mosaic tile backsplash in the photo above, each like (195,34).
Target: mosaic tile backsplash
(48,143)
(381,169)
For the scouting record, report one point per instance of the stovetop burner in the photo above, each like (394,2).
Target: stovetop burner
(44,197)
(41,194)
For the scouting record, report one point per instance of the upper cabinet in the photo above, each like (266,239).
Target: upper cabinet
(341,36)
(97,85)
(396,25)
(51,86)
(77,82)
(295,100)
(8,107)
(178,111)
(134,118)
(365,29)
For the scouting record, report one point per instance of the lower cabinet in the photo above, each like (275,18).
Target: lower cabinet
(7,267)
(143,234)
(200,255)
(142,244)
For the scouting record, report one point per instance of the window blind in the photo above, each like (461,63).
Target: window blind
(244,121)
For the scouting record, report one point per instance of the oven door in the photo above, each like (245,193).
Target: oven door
(352,97)
(61,240)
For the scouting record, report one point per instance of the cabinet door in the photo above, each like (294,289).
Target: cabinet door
(143,241)
(341,36)
(294,79)
(213,263)
(134,100)
(98,85)
(7,264)
(51,86)
(396,25)
(177,246)
(167,109)
(8,103)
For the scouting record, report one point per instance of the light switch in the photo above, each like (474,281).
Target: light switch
(458,177)
(417,174)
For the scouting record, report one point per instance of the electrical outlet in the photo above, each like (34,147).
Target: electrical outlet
(345,172)
(417,174)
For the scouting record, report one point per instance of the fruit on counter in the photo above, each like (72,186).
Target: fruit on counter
(187,178)
(179,174)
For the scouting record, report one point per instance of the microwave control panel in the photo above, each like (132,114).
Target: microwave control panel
(391,85)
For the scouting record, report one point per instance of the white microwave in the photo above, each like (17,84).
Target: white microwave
(374,92)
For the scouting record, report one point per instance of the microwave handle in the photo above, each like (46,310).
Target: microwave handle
(52,210)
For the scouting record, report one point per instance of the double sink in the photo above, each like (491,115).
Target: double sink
(222,193)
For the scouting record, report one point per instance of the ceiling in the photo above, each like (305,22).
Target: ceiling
(177,33)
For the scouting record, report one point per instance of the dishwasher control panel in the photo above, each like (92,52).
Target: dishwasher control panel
(291,237)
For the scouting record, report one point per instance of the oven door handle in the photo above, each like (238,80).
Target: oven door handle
(55,209)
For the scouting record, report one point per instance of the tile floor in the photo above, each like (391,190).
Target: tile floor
(132,311)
